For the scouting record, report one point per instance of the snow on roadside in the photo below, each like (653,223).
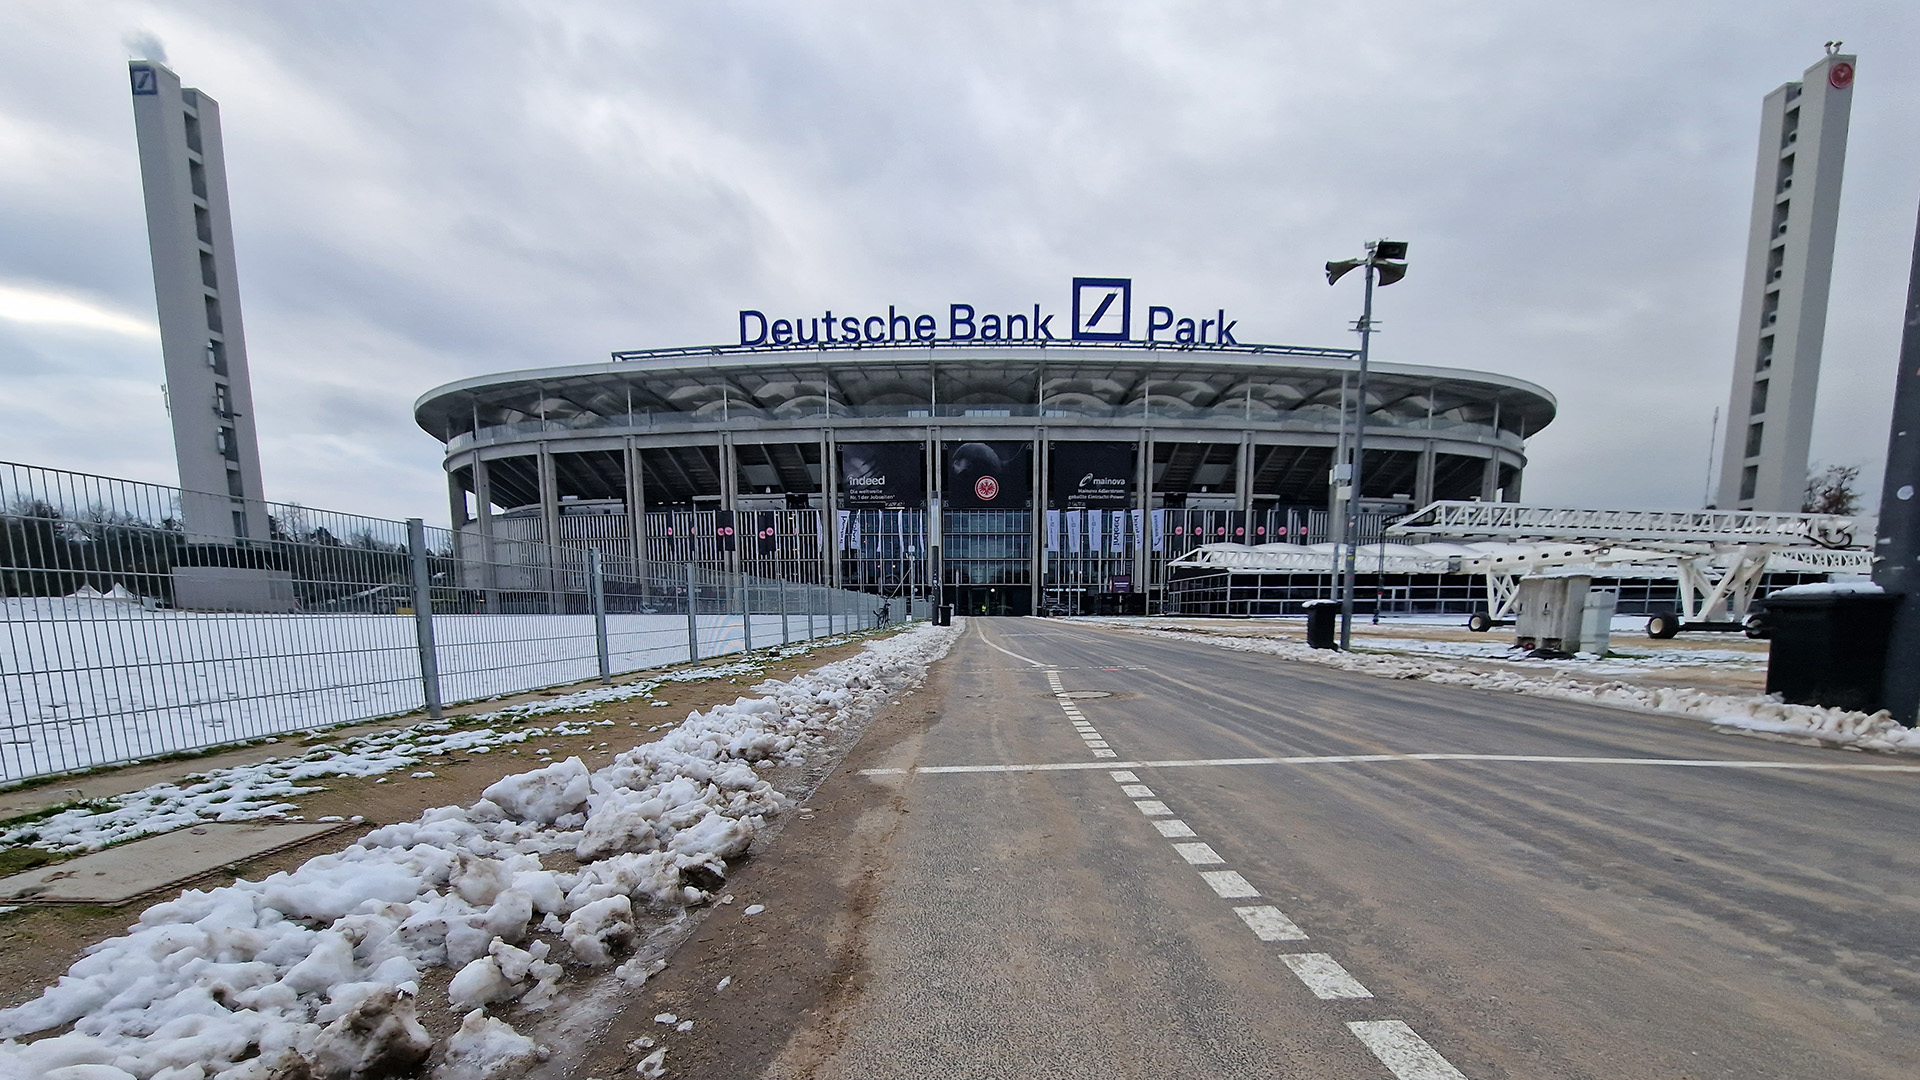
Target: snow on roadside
(1741,712)
(317,971)
(256,791)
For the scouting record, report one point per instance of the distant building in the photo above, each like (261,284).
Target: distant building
(226,564)
(183,169)
(1783,307)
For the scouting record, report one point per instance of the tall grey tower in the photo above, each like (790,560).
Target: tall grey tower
(183,169)
(1783,307)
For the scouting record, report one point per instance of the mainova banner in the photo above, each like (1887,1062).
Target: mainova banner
(882,475)
(1091,475)
(989,475)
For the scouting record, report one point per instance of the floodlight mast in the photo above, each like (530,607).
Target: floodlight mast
(1386,260)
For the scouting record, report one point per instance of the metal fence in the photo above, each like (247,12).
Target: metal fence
(123,636)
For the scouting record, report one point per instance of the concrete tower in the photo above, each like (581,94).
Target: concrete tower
(183,169)
(1783,307)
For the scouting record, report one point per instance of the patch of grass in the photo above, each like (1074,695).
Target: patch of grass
(14,860)
(97,806)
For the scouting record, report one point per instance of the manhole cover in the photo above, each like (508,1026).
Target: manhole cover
(1086,694)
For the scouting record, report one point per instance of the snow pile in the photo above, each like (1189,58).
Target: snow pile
(1741,712)
(251,792)
(316,971)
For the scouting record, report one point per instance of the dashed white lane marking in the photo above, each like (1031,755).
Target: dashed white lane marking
(1104,754)
(1269,923)
(1153,808)
(1324,976)
(1098,744)
(1136,791)
(1406,1054)
(1124,777)
(1199,854)
(1173,828)
(1228,884)
(1347,759)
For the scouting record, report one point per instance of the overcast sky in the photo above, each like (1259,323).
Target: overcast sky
(428,191)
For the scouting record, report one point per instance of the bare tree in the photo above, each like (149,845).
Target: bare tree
(1830,491)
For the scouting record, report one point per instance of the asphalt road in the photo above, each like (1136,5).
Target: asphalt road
(1503,918)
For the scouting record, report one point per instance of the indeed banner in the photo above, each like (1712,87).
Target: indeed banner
(882,475)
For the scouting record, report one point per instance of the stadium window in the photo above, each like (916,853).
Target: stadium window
(1749,479)
(1753,440)
(1759,397)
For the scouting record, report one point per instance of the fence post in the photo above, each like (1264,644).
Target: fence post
(808,589)
(423,615)
(786,636)
(746,613)
(693,622)
(597,597)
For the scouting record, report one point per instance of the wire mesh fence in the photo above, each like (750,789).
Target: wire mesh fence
(124,636)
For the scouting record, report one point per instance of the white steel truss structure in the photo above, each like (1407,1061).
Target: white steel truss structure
(1718,555)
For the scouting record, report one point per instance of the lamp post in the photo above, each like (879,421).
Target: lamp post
(1386,261)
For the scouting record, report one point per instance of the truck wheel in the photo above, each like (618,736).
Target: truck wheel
(1663,626)
(1479,623)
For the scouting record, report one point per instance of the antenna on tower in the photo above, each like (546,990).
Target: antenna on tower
(1713,440)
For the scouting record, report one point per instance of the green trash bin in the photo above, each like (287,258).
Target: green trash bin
(1829,646)
(1322,615)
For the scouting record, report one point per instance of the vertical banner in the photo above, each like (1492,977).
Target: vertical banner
(1117,532)
(1159,530)
(1094,523)
(723,528)
(844,527)
(1053,530)
(1138,519)
(767,534)
(1073,530)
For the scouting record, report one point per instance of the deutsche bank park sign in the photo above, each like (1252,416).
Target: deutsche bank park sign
(1102,311)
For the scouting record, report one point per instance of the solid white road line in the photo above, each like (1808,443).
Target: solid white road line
(1124,777)
(1199,854)
(1153,808)
(1269,923)
(1136,791)
(1010,652)
(1324,976)
(1347,759)
(1406,1054)
(1173,828)
(1228,884)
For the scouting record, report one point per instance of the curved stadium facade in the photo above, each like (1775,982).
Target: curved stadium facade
(1025,477)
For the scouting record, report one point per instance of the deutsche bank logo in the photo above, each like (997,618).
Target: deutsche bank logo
(144,81)
(1102,309)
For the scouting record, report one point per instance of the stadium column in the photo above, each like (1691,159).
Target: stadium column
(550,524)
(1143,488)
(1490,477)
(1037,519)
(1423,476)
(1243,475)
(830,508)
(456,513)
(730,495)
(636,508)
(483,506)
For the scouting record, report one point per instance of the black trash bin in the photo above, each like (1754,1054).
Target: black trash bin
(1321,616)
(943,615)
(1828,647)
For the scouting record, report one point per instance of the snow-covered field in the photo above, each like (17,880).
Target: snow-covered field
(320,971)
(92,682)
(1570,680)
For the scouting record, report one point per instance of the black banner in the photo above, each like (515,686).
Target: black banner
(723,528)
(1091,475)
(882,476)
(989,475)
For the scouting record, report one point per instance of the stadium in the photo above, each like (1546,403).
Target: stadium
(1025,475)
